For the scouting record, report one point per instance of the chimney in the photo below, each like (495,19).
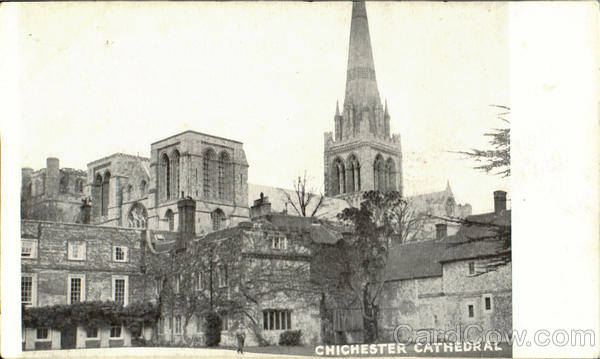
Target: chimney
(86,210)
(261,207)
(52,176)
(441,230)
(499,202)
(187,220)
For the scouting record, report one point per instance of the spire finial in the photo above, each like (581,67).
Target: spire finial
(337,108)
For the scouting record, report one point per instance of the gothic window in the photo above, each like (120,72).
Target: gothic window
(143,186)
(174,174)
(353,177)
(63,185)
(224,177)
(97,196)
(138,216)
(339,177)
(170,217)
(105,193)
(165,177)
(79,185)
(379,174)
(208,172)
(390,175)
(217,217)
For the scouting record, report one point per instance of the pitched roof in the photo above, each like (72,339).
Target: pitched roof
(478,237)
(415,260)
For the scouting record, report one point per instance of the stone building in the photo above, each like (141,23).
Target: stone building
(453,282)
(52,193)
(362,154)
(68,263)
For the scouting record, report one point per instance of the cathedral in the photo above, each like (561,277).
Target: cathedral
(105,234)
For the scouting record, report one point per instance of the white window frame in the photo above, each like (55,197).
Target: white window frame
(491,303)
(126,289)
(33,252)
(70,253)
(33,277)
(125,254)
(110,337)
(278,242)
(48,337)
(82,288)
(92,338)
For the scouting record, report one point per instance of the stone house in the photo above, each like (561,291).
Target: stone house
(455,281)
(67,263)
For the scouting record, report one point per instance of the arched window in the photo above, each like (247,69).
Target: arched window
(170,217)
(79,185)
(138,216)
(165,177)
(217,217)
(64,184)
(143,186)
(379,173)
(353,177)
(97,196)
(338,177)
(390,174)
(208,173)
(224,177)
(105,193)
(175,174)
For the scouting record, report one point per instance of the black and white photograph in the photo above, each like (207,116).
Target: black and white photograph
(272,179)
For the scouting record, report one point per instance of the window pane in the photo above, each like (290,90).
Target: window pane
(265,320)
(92,332)
(471,314)
(115,332)
(42,333)
(26,289)
(488,303)
(289,320)
(120,291)
(75,290)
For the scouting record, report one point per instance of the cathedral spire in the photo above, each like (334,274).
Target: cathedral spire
(361,83)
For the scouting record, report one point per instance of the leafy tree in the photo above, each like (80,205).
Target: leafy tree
(382,221)
(498,157)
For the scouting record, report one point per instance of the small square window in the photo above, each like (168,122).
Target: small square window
(120,254)
(115,332)
(471,311)
(76,251)
(41,334)
(28,248)
(91,333)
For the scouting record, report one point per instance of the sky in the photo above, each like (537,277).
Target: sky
(100,78)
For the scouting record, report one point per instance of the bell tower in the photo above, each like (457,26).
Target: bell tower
(361,155)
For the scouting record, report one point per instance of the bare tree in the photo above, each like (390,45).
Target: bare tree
(304,195)
(498,157)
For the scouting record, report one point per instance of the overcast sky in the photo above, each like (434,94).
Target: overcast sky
(100,78)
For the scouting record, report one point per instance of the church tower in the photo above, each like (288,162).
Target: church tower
(361,155)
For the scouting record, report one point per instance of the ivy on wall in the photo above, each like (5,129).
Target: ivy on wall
(94,314)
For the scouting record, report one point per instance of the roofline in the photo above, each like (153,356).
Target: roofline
(413,278)
(470,257)
(118,154)
(197,133)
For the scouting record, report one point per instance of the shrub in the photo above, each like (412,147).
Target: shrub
(290,337)
(212,329)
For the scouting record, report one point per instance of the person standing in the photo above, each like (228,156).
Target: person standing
(240,335)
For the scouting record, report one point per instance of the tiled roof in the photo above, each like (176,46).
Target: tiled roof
(477,238)
(415,260)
